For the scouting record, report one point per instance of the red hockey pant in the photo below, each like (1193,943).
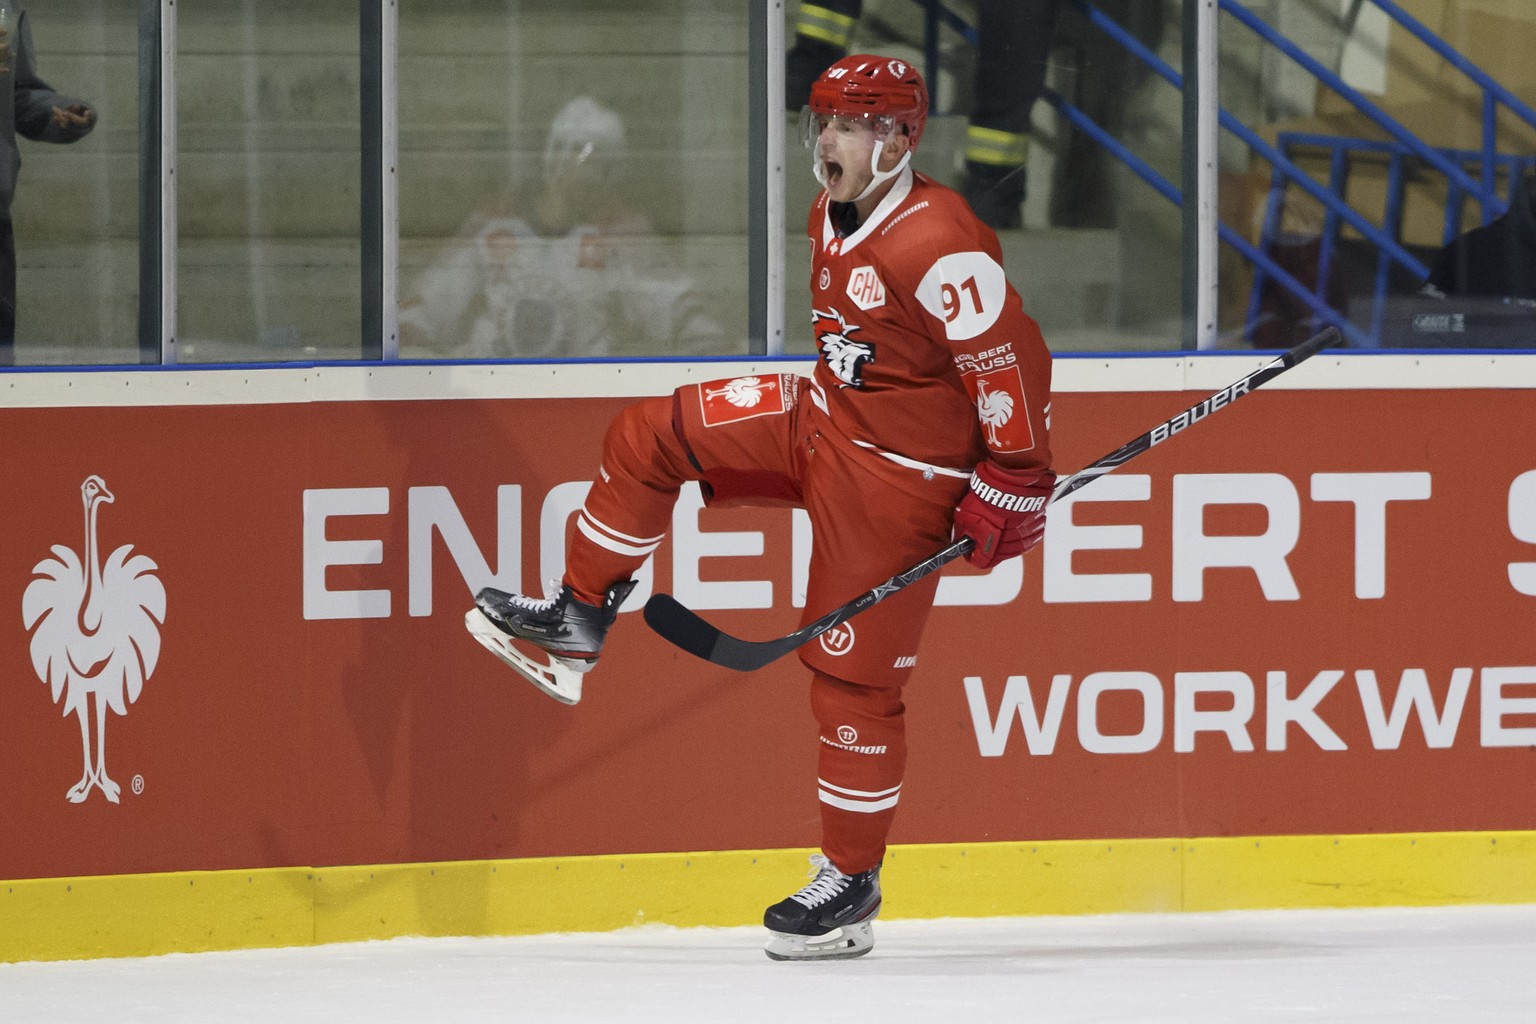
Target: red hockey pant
(762,440)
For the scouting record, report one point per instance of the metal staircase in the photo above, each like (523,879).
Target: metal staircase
(1484,176)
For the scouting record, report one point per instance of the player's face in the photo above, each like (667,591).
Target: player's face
(844,146)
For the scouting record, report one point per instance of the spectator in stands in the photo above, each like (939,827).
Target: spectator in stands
(1496,260)
(40,114)
(1014,43)
(572,271)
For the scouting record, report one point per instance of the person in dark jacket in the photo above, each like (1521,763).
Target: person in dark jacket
(1496,260)
(38,113)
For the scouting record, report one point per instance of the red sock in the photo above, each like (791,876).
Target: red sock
(863,756)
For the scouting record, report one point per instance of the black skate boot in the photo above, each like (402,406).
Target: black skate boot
(830,919)
(567,631)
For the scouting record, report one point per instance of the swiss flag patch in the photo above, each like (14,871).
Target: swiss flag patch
(1002,409)
(742,398)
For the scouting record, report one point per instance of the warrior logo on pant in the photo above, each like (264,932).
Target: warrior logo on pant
(838,640)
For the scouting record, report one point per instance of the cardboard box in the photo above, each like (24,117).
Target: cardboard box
(1433,100)
(1496,35)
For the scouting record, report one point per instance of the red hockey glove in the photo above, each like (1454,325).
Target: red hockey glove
(1003,512)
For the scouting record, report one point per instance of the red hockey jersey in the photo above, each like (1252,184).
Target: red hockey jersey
(926,351)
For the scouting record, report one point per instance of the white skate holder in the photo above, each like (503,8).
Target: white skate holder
(554,676)
(843,943)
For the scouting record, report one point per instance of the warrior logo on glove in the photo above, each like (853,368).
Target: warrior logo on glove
(1003,512)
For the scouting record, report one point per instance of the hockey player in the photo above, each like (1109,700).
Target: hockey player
(1012,52)
(564,266)
(926,419)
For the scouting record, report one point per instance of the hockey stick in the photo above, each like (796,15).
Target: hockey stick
(685,629)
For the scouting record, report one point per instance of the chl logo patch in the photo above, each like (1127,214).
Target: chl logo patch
(866,289)
(838,640)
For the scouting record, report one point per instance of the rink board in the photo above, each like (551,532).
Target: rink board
(1313,617)
(145,915)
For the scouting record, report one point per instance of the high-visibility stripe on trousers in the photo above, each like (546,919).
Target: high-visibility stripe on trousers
(829,26)
(998,148)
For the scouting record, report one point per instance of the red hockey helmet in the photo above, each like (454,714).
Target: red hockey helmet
(883,91)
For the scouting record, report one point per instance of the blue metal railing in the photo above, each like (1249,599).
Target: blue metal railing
(1406,147)
(1494,91)
(1333,202)
(1487,196)
(1340,150)
(937,15)
(1386,237)
(1150,175)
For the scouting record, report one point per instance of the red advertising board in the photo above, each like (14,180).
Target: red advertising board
(1314,614)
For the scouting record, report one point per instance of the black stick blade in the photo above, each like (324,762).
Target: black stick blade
(683,628)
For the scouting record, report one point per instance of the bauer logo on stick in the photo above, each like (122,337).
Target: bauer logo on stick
(1190,417)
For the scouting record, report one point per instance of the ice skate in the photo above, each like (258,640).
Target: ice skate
(551,642)
(829,919)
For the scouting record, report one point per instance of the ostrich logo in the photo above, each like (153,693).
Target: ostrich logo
(994,409)
(743,392)
(96,634)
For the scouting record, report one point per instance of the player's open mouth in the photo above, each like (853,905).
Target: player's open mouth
(834,172)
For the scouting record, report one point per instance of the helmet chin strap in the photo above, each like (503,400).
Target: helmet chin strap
(878,177)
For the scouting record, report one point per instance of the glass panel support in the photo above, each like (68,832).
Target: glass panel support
(379,188)
(765,220)
(1200,221)
(157,182)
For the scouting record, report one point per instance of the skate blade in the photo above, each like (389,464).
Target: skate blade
(554,676)
(843,943)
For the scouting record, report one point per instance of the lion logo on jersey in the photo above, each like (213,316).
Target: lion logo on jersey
(844,357)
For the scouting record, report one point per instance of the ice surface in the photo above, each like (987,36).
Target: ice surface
(1397,965)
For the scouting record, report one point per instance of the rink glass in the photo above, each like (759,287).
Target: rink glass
(268,262)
